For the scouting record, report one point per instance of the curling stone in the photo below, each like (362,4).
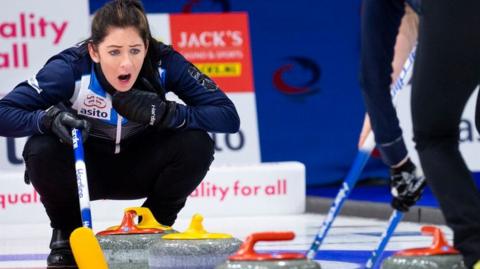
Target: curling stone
(247,258)
(193,249)
(440,255)
(126,246)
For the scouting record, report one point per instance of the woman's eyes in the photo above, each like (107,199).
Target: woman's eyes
(133,51)
(114,52)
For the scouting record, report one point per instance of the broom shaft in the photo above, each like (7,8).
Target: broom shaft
(395,219)
(359,163)
(82,182)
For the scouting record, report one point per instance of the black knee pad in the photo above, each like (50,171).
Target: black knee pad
(43,145)
(198,148)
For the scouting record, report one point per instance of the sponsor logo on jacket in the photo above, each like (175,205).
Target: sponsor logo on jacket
(95,106)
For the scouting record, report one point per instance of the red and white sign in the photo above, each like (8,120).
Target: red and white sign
(31,31)
(219,45)
(262,189)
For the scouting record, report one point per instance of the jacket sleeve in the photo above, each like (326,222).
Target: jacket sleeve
(207,106)
(22,110)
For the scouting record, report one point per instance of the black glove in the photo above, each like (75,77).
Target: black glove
(145,107)
(407,185)
(61,123)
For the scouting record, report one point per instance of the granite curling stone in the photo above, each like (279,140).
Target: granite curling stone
(126,246)
(247,258)
(440,255)
(193,249)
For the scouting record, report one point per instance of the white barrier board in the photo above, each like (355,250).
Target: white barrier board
(261,189)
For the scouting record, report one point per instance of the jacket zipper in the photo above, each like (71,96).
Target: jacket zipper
(118,136)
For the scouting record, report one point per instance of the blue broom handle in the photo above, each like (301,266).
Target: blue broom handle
(360,161)
(82,182)
(395,219)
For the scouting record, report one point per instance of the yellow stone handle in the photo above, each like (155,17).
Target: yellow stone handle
(148,220)
(196,225)
(196,231)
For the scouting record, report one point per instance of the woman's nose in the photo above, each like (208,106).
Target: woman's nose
(126,62)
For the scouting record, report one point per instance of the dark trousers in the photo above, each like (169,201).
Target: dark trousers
(164,167)
(447,69)
(379,28)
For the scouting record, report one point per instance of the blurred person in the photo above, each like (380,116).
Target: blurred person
(112,87)
(388,33)
(447,70)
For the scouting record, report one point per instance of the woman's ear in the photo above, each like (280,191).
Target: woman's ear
(93,53)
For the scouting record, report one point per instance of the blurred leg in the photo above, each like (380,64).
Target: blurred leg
(446,72)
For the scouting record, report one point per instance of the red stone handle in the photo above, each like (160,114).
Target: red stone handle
(247,249)
(128,226)
(439,245)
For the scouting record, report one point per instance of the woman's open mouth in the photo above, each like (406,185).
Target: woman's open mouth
(124,78)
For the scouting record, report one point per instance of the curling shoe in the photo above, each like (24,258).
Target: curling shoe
(61,255)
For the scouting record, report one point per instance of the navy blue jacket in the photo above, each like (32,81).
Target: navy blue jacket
(69,79)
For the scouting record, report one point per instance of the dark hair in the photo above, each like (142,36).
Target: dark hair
(122,14)
(128,13)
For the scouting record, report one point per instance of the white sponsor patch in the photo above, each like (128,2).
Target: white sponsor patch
(90,104)
(94,106)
